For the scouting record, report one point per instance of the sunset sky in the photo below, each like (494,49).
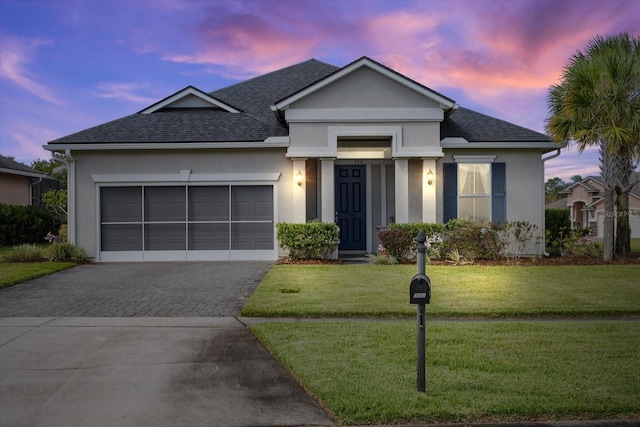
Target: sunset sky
(66,65)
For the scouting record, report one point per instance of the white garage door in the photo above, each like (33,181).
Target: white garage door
(634,223)
(180,222)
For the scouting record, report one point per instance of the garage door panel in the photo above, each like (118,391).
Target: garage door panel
(167,237)
(121,237)
(208,237)
(252,236)
(204,220)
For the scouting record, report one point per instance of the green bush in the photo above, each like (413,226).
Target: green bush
(434,232)
(312,240)
(556,222)
(24,224)
(25,253)
(477,240)
(66,252)
(399,244)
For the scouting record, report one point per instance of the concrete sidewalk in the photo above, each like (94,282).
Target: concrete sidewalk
(144,372)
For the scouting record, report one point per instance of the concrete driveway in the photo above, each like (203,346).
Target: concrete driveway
(139,345)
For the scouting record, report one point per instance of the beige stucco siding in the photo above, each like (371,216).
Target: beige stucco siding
(524,179)
(365,88)
(140,163)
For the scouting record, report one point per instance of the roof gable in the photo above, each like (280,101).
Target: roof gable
(189,97)
(362,63)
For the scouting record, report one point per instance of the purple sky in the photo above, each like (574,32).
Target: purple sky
(66,65)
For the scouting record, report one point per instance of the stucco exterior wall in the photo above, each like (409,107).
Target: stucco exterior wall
(14,189)
(354,91)
(138,163)
(524,183)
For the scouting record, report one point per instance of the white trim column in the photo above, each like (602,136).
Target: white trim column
(402,190)
(327,190)
(429,190)
(299,185)
(71,198)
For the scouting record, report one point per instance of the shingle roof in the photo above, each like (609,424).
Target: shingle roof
(11,165)
(257,122)
(478,127)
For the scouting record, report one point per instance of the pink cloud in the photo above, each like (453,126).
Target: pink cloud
(123,91)
(16,54)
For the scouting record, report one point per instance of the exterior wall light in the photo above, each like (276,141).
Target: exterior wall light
(430,177)
(299,178)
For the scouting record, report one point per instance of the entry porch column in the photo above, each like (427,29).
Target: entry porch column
(327,190)
(429,190)
(402,190)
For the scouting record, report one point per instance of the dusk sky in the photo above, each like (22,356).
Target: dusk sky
(67,65)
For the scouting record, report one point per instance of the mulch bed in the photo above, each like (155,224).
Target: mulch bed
(632,259)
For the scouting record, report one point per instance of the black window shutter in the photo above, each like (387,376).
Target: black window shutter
(450,191)
(498,193)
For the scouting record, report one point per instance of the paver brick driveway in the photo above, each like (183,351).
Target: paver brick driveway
(167,289)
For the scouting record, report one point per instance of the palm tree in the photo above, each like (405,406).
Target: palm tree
(598,103)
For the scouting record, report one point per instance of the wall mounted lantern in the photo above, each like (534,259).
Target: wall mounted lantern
(430,177)
(299,178)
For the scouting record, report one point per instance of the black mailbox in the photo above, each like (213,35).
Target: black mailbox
(420,290)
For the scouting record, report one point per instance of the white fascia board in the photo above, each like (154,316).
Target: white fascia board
(276,142)
(308,115)
(186,92)
(366,62)
(180,177)
(547,146)
(23,173)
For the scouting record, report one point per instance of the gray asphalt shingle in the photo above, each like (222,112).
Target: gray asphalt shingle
(257,122)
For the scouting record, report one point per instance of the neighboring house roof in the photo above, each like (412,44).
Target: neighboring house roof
(243,113)
(10,166)
(558,204)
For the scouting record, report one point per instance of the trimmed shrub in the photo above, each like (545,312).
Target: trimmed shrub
(312,240)
(25,253)
(24,224)
(399,244)
(477,240)
(435,236)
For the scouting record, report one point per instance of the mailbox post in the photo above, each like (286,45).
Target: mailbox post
(420,294)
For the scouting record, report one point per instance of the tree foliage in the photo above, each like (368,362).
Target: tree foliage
(598,103)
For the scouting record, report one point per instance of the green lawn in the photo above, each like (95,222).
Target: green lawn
(14,273)
(468,291)
(635,245)
(365,372)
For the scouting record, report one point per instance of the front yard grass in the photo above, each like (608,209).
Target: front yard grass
(365,372)
(466,291)
(14,273)
(529,367)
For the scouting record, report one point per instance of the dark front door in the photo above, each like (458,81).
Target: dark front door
(351,214)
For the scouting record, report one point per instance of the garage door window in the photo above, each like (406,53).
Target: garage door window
(169,218)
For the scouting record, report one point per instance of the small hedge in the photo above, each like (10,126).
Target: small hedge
(312,240)
(556,222)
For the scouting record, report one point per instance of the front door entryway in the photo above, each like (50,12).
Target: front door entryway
(351,214)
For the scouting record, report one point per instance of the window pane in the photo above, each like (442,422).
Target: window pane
(474,179)
(121,204)
(164,204)
(121,237)
(252,203)
(475,208)
(164,237)
(208,203)
(209,237)
(252,236)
